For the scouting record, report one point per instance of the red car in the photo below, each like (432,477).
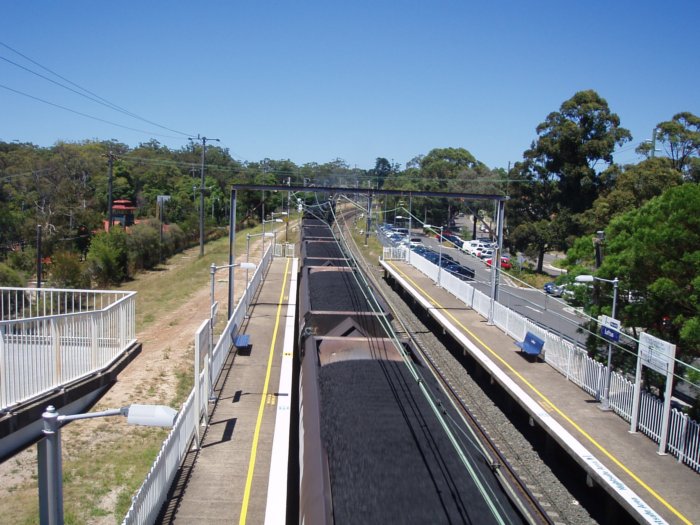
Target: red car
(505,263)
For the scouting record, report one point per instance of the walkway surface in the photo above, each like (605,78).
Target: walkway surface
(227,480)
(668,487)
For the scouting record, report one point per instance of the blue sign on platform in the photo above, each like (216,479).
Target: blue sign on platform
(609,333)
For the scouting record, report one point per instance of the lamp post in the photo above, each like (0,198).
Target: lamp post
(440,251)
(49,450)
(279,214)
(273,233)
(615,282)
(213,269)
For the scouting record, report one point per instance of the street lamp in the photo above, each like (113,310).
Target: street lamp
(440,251)
(49,450)
(615,282)
(212,271)
(274,233)
(283,214)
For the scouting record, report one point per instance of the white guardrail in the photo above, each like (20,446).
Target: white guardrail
(53,337)
(149,499)
(573,362)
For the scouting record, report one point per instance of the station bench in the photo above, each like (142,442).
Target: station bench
(531,345)
(241,341)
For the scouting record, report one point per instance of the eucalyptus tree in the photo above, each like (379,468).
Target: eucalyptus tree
(559,177)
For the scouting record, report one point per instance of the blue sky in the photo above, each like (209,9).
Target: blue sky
(316,81)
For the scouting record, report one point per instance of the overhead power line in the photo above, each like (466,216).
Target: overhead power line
(90,95)
(85,114)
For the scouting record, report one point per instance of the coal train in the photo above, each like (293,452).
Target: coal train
(376,443)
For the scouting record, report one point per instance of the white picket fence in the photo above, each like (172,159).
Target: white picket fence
(149,499)
(573,362)
(53,337)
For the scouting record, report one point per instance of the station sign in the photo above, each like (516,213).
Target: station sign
(656,353)
(610,328)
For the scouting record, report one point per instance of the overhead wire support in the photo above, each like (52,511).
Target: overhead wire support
(201,193)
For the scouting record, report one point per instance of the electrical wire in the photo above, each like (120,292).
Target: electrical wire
(91,96)
(85,114)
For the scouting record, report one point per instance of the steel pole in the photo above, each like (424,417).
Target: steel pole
(201,201)
(50,470)
(440,259)
(606,400)
(212,272)
(231,252)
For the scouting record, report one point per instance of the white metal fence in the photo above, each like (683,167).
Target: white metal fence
(573,362)
(149,499)
(52,337)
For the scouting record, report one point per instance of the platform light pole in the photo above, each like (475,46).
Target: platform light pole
(605,404)
(49,450)
(231,297)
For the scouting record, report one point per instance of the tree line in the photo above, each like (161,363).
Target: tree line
(562,193)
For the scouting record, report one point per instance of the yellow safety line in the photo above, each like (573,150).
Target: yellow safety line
(548,401)
(261,409)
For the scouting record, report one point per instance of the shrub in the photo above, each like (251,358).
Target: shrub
(107,257)
(23,260)
(10,277)
(68,272)
(143,244)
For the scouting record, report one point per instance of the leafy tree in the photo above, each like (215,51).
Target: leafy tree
(680,137)
(655,252)
(67,271)
(10,277)
(559,177)
(630,187)
(107,257)
(382,170)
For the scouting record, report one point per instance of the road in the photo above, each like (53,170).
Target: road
(533,304)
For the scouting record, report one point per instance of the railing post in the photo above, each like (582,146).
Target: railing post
(56,351)
(93,339)
(122,326)
(3,369)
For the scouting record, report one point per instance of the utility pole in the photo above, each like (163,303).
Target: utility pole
(38,256)
(110,164)
(201,194)
(289,198)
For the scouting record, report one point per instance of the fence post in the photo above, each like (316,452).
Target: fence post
(3,369)
(93,339)
(122,326)
(56,350)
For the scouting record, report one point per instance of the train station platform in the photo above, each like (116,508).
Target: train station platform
(654,488)
(239,474)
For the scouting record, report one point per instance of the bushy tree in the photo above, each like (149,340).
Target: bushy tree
(560,175)
(67,271)
(655,252)
(10,277)
(107,257)
(143,243)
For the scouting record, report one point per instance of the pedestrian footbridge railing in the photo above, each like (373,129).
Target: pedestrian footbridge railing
(53,337)
(573,362)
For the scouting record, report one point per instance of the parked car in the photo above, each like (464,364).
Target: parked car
(461,272)
(553,289)
(486,253)
(505,262)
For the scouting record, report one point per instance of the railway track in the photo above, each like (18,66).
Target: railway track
(543,497)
